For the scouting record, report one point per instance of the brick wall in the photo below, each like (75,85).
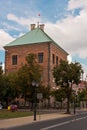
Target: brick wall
(61,55)
(47,48)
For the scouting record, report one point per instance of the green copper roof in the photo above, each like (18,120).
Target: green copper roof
(36,35)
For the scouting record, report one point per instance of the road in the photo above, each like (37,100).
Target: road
(68,123)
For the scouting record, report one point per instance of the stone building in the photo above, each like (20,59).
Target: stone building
(38,42)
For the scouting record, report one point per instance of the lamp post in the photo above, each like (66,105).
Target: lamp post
(74,106)
(35,85)
(70,86)
(75,101)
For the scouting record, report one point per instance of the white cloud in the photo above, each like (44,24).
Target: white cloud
(23,21)
(71,33)
(3,67)
(74,4)
(4,38)
(69,58)
(9,27)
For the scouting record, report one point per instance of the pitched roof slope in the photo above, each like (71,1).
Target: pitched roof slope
(36,35)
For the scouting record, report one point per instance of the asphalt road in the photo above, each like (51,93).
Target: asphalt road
(69,123)
(79,123)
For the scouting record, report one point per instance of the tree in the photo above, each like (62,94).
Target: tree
(45,90)
(59,95)
(65,74)
(11,89)
(82,95)
(1,84)
(28,73)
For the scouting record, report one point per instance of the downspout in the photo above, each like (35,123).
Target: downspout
(49,64)
(49,73)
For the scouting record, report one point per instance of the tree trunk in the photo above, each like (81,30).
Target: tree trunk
(49,103)
(68,106)
(61,104)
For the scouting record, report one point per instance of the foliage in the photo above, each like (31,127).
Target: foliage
(1,72)
(59,94)
(35,69)
(83,95)
(28,73)
(1,83)
(11,90)
(45,91)
(19,83)
(65,74)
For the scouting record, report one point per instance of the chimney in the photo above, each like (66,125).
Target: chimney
(42,27)
(32,26)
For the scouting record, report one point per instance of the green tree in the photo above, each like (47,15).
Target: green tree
(1,84)
(59,95)
(45,91)
(28,73)
(83,95)
(65,74)
(11,90)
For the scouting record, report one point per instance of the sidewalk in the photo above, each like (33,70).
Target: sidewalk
(7,123)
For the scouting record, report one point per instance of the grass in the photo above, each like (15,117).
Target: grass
(5,114)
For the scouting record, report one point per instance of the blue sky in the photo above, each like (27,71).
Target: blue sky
(65,21)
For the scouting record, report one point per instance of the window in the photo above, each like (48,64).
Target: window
(40,57)
(53,58)
(57,60)
(14,60)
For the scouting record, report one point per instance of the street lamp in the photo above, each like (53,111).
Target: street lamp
(74,106)
(75,99)
(35,85)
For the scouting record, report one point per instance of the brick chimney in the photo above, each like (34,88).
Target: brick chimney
(32,26)
(42,26)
